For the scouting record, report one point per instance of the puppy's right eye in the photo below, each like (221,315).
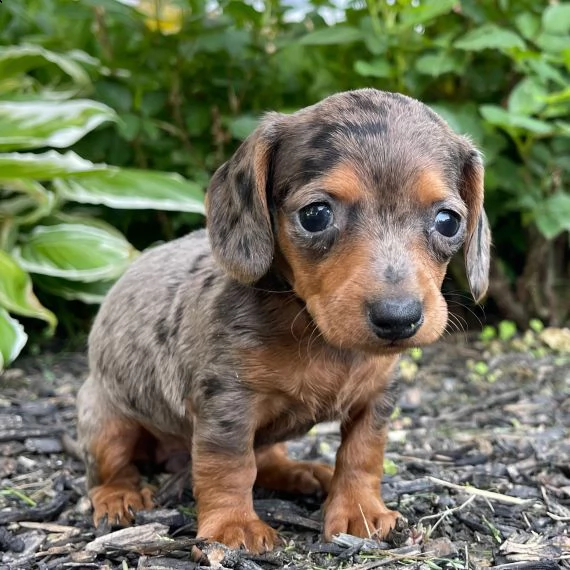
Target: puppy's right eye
(316,217)
(447,223)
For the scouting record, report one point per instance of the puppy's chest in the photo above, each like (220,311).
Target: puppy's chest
(294,393)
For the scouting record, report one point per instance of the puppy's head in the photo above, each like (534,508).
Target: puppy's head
(359,201)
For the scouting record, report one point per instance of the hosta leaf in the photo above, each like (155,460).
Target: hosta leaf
(43,166)
(12,338)
(15,60)
(35,124)
(16,293)
(91,293)
(40,202)
(75,252)
(133,189)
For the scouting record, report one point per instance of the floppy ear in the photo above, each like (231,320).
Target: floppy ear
(238,219)
(478,241)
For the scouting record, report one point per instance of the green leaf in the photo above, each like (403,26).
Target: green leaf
(552,215)
(546,71)
(333,35)
(436,64)
(43,166)
(35,124)
(425,11)
(558,97)
(133,189)
(242,127)
(15,60)
(12,338)
(536,325)
(38,201)
(488,333)
(75,252)
(502,118)
(527,97)
(481,368)
(556,19)
(90,293)
(489,36)
(528,24)
(377,68)
(390,468)
(462,118)
(16,293)
(553,43)
(79,217)
(507,330)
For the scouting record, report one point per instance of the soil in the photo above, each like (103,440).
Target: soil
(478,462)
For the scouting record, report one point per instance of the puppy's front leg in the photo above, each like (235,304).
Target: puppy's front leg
(223,474)
(354,504)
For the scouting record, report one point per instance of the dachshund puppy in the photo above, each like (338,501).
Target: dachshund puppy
(328,236)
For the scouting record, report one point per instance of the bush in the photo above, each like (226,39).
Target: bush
(188,80)
(41,232)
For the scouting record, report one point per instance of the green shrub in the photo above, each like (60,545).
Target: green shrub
(42,234)
(188,80)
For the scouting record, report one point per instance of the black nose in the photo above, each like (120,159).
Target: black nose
(395,318)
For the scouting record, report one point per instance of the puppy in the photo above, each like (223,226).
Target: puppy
(328,236)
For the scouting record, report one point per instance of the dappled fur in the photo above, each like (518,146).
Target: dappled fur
(228,342)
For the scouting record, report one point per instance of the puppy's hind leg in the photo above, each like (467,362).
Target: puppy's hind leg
(276,471)
(109,444)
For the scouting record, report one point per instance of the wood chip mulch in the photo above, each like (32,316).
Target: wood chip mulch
(478,463)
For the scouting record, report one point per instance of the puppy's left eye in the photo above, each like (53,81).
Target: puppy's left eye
(447,223)
(316,217)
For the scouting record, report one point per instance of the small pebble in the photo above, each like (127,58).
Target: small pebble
(32,540)
(38,408)
(169,517)
(440,547)
(7,466)
(10,421)
(26,464)
(83,506)
(45,445)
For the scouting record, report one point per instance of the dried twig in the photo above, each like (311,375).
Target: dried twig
(491,495)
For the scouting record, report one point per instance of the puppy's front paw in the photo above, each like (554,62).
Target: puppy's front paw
(117,505)
(249,533)
(364,516)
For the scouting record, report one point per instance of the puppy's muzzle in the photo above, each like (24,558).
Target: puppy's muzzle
(395,318)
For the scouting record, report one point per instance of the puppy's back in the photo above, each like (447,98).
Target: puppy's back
(145,323)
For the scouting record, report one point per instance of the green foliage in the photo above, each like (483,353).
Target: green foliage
(507,330)
(488,333)
(42,237)
(536,325)
(179,83)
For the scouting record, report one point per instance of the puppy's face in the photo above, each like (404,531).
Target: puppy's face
(359,202)
(369,262)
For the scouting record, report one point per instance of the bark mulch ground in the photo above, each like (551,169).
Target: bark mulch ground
(478,462)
